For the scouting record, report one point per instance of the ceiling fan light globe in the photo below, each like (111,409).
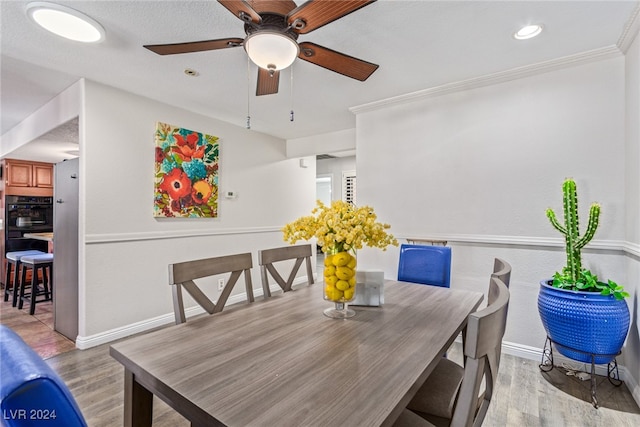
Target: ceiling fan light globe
(271,50)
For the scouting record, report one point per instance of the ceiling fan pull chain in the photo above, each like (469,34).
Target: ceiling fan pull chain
(291,114)
(248,93)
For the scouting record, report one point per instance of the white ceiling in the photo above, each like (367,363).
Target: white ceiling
(418,45)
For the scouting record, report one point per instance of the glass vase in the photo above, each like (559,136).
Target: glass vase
(339,282)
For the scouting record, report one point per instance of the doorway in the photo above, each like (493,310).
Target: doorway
(324,185)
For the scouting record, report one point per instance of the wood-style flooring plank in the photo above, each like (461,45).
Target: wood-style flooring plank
(36,330)
(97,382)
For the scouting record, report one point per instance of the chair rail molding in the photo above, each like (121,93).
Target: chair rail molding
(629,248)
(175,234)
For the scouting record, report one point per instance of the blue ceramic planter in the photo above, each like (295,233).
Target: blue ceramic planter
(584,321)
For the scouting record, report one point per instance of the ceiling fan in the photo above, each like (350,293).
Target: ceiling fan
(272,28)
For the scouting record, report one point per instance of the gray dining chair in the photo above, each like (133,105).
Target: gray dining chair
(267,258)
(501,270)
(451,395)
(184,274)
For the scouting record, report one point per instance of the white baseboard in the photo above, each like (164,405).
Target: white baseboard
(85,342)
(521,350)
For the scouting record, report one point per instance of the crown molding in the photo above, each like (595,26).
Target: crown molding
(630,31)
(495,78)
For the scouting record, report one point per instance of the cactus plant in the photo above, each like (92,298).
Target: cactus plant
(573,242)
(573,275)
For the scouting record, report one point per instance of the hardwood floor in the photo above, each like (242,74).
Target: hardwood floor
(97,382)
(524,395)
(36,330)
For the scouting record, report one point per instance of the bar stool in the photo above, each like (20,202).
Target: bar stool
(13,259)
(35,262)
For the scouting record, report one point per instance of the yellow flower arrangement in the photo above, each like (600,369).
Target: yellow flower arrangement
(340,227)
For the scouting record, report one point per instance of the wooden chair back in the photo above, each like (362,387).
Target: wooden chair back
(183,274)
(268,257)
(485,329)
(502,271)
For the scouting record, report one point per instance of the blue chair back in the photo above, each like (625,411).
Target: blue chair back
(31,393)
(427,265)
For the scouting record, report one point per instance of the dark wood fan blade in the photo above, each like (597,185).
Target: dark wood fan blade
(171,49)
(267,82)
(279,7)
(316,13)
(238,6)
(336,61)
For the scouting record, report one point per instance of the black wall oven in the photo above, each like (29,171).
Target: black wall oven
(27,214)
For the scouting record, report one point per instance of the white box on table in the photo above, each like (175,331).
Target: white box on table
(369,288)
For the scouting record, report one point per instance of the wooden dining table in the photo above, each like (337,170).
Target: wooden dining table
(281,362)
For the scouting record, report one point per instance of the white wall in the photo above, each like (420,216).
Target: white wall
(632,191)
(126,251)
(499,147)
(479,167)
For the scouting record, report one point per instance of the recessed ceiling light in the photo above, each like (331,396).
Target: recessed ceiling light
(528,32)
(65,22)
(191,72)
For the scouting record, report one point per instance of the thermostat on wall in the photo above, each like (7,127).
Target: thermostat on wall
(230,194)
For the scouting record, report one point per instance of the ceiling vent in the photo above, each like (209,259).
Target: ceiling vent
(324,156)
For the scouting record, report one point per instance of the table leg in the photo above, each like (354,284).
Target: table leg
(138,402)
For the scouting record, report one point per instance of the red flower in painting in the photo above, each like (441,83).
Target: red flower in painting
(176,183)
(159,155)
(187,148)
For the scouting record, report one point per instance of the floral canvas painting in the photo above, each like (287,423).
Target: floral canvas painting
(186,181)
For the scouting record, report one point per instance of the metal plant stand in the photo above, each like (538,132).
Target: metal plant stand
(546,365)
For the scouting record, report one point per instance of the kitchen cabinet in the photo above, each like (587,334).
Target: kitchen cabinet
(42,175)
(20,178)
(25,178)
